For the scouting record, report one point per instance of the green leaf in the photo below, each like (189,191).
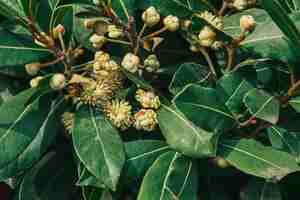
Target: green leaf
(184,136)
(39,144)
(189,73)
(263,106)
(283,21)
(204,108)
(295,103)
(172,176)
(234,88)
(180,8)
(86,178)
(96,194)
(52,178)
(98,145)
(284,140)
(140,156)
(262,41)
(121,7)
(20,124)
(19,50)
(11,9)
(253,158)
(261,189)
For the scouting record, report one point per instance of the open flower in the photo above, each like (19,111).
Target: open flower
(145,119)
(147,99)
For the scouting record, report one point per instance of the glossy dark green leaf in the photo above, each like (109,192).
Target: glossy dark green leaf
(98,145)
(19,50)
(172,176)
(140,155)
(234,88)
(295,103)
(253,158)
(40,143)
(90,193)
(184,136)
(20,123)
(261,189)
(284,140)
(180,8)
(11,9)
(189,73)
(262,41)
(262,105)
(86,178)
(203,107)
(52,178)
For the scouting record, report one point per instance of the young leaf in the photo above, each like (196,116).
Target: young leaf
(284,140)
(98,145)
(204,108)
(253,158)
(21,122)
(140,156)
(261,189)
(19,50)
(52,178)
(184,136)
(172,176)
(189,73)
(39,144)
(263,106)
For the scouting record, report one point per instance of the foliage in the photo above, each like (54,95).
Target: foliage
(150,99)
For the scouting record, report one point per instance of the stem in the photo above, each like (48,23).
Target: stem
(118,41)
(293,89)
(62,43)
(155,33)
(57,60)
(139,39)
(231,54)
(223,8)
(209,61)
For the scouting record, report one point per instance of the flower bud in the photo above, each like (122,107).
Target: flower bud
(111,65)
(151,63)
(221,162)
(102,57)
(145,120)
(89,23)
(59,29)
(58,81)
(171,23)
(151,17)
(131,62)
(206,36)
(147,99)
(97,2)
(194,48)
(186,24)
(97,40)
(32,68)
(247,23)
(35,81)
(243,4)
(114,32)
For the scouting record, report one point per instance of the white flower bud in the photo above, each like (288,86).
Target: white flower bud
(114,32)
(97,2)
(131,62)
(32,68)
(145,120)
(97,40)
(206,36)
(147,99)
(151,17)
(247,23)
(151,63)
(171,23)
(221,162)
(58,82)
(35,81)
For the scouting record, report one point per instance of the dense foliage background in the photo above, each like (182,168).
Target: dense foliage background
(150,99)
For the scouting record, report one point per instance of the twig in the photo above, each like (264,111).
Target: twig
(139,39)
(223,8)
(209,61)
(155,33)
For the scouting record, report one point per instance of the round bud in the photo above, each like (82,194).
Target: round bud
(59,29)
(114,32)
(194,48)
(240,4)
(32,68)
(98,40)
(247,23)
(102,57)
(35,81)
(172,23)
(151,17)
(206,37)
(221,162)
(58,82)
(151,63)
(131,62)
